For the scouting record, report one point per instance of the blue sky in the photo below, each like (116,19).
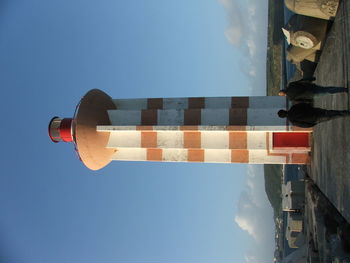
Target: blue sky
(53,208)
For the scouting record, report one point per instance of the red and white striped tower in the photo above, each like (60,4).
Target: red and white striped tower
(212,129)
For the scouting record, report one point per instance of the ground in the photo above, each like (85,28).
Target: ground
(331,147)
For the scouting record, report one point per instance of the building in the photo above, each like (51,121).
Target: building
(293,196)
(215,129)
(294,229)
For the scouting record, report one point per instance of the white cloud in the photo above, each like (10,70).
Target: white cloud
(255,216)
(243,223)
(235,29)
(247,30)
(250,258)
(233,35)
(251,47)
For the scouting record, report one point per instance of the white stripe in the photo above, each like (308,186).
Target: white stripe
(218,102)
(210,155)
(277,128)
(170,117)
(130,154)
(262,157)
(296,150)
(215,117)
(124,139)
(130,104)
(256,140)
(267,102)
(215,140)
(210,102)
(170,139)
(175,155)
(217,156)
(264,117)
(175,103)
(114,128)
(125,117)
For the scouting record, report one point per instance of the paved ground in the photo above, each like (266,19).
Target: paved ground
(330,167)
(327,232)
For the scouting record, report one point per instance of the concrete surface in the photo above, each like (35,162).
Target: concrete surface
(330,167)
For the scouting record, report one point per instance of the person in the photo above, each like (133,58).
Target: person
(304,90)
(305,116)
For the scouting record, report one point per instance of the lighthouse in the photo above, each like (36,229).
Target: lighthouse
(198,129)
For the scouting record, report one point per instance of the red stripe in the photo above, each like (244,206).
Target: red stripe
(196,103)
(238,116)
(148,139)
(238,140)
(195,155)
(192,117)
(149,117)
(154,155)
(156,103)
(192,139)
(240,156)
(239,102)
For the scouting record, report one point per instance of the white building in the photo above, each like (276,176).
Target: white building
(293,195)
